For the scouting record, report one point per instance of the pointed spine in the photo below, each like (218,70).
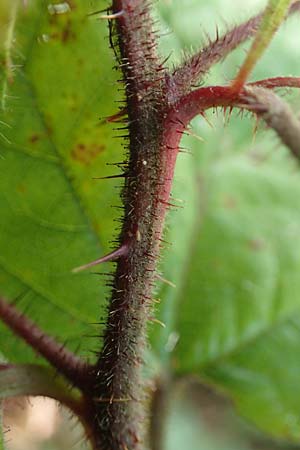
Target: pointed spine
(112,256)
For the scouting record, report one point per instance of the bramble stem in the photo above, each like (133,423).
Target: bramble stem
(155,128)
(278,115)
(54,352)
(192,71)
(159,107)
(122,415)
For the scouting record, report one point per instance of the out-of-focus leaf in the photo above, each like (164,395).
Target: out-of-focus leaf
(207,421)
(30,379)
(238,308)
(36,380)
(239,314)
(273,16)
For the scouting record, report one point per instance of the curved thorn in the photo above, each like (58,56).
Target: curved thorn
(112,16)
(114,117)
(112,256)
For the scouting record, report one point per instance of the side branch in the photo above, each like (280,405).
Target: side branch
(184,78)
(254,97)
(66,363)
(277,114)
(204,98)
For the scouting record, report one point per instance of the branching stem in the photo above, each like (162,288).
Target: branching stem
(159,107)
(56,353)
(192,71)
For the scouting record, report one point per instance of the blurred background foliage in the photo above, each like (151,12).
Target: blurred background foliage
(233,318)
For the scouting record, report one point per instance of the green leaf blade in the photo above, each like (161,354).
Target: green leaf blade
(52,149)
(238,315)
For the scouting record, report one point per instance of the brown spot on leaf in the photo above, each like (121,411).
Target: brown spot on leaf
(85,154)
(256,244)
(72,4)
(67,33)
(21,188)
(229,202)
(34,138)
(48,125)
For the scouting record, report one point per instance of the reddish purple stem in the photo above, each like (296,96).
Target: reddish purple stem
(54,352)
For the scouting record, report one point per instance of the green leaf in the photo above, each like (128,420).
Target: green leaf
(238,318)
(54,214)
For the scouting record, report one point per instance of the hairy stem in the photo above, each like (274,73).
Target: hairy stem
(254,97)
(155,126)
(159,107)
(185,77)
(121,408)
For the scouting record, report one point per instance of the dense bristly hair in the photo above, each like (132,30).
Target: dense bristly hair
(158,108)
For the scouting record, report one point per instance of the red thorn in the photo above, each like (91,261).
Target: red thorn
(114,117)
(172,205)
(112,256)
(206,120)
